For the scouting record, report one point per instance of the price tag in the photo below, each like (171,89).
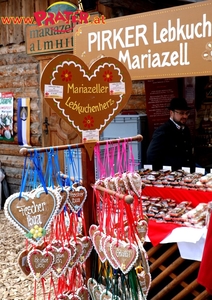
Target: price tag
(148,167)
(53,91)
(186,169)
(200,170)
(90,136)
(167,168)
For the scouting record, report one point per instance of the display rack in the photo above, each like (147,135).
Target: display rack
(88,174)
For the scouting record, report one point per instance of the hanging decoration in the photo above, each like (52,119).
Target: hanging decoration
(122,227)
(23,117)
(48,210)
(50,217)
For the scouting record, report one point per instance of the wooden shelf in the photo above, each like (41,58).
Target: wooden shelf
(173,277)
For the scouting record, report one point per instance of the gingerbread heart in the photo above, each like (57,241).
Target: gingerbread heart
(78,252)
(135,183)
(74,297)
(64,193)
(87,98)
(145,281)
(23,262)
(93,228)
(40,263)
(126,182)
(62,258)
(97,242)
(77,197)
(33,213)
(107,295)
(91,283)
(22,259)
(119,184)
(97,291)
(106,248)
(83,293)
(87,248)
(125,255)
(142,227)
(143,255)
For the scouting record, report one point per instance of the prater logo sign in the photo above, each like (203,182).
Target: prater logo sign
(65,12)
(52,30)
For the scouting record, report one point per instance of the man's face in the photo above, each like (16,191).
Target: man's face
(179,116)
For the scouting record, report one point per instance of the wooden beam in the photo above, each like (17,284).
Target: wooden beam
(163,257)
(176,281)
(187,290)
(167,271)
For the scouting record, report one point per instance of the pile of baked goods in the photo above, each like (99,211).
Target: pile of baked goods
(169,211)
(177,179)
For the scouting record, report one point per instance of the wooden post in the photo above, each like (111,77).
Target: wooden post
(88,175)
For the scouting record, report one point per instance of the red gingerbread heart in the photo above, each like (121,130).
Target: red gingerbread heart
(86,98)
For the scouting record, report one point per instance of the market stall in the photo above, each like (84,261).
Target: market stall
(175,248)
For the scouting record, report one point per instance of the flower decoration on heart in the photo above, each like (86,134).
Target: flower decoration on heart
(108,76)
(88,121)
(36,232)
(66,75)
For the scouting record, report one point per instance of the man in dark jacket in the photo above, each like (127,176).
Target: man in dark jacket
(171,142)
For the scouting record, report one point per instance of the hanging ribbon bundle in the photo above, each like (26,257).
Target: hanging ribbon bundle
(123,271)
(51,218)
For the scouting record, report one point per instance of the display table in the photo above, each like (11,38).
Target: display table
(175,251)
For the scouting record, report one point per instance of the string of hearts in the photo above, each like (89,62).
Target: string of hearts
(118,238)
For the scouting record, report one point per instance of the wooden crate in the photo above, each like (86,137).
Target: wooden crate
(173,278)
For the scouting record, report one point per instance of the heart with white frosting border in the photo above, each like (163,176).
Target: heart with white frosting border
(30,210)
(125,255)
(88,98)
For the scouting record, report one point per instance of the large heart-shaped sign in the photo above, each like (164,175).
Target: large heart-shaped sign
(86,98)
(33,213)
